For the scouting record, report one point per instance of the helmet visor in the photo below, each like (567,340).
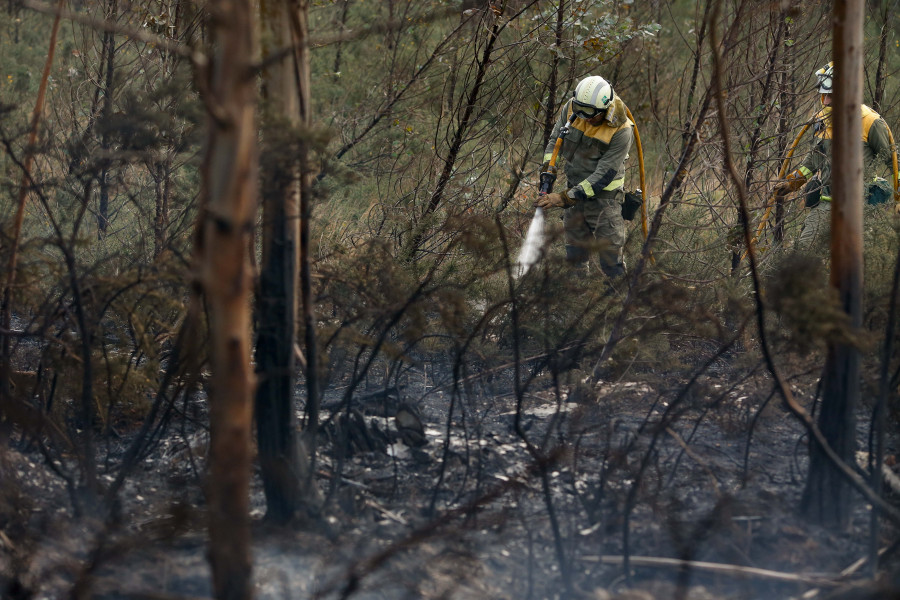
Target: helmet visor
(585,111)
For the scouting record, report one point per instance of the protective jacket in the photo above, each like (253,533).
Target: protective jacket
(876,147)
(595,154)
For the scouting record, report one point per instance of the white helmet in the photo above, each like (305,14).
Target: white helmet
(592,96)
(825,77)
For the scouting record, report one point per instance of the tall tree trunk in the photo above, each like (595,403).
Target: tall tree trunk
(786,102)
(827,497)
(283,459)
(24,186)
(695,74)
(300,23)
(223,249)
(550,112)
(109,53)
(878,95)
(340,44)
(85,502)
(161,168)
(162,178)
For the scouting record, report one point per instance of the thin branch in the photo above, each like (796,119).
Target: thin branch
(26,183)
(718,568)
(128,31)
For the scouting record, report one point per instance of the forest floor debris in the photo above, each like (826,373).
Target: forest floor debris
(706,502)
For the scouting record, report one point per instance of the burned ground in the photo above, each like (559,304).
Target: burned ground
(510,496)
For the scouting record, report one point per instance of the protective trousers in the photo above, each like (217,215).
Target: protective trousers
(816,230)
(815,235)
(597,223)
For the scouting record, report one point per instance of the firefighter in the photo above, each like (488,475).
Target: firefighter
(815,172)
(594,148)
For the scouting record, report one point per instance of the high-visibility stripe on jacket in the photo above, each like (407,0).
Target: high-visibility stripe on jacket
(875,140)
(594,154)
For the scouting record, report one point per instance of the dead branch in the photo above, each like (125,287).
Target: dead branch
(719,568)
(111,27)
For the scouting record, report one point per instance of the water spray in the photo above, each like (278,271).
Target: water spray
(533,246)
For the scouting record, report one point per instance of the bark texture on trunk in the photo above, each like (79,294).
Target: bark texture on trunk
(223,250)
(284,461)
(827,497)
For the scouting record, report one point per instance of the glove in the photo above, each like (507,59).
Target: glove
(791,183)
(553,200)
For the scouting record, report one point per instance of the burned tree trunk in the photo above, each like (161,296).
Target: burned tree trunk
(284,461)
(222,254)
(300,30)
(109,54)
(827,497)
(162,180)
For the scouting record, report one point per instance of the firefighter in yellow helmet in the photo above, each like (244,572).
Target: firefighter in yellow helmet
(595,148)
(815,171)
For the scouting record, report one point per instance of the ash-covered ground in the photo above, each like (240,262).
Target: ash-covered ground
(540,493)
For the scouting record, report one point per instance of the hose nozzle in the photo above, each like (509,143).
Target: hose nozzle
(546,182)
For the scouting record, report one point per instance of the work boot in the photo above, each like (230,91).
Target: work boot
(615,271)
(576,255)
(614,280)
